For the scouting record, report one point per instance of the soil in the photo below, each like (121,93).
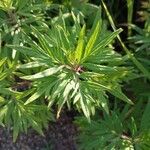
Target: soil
(61,135)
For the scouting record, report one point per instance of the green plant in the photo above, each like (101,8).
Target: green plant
(126,128)
(58,55)
(15,18)
(141,39)
(13,112)
(140,43)
(120,130)
(78,68)
(137,63)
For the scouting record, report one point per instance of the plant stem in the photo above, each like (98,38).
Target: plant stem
(130,4)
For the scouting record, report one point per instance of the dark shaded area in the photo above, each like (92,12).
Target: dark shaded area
(63,132)
(30,141)
(61,135)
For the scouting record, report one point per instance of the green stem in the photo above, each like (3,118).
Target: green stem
(130,4)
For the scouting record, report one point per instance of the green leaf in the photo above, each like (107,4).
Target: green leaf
(59,88)
(97,20)
(16,124)
(22,4)
(44,43)
(2,99)
(45,73)
(15,132)
(133,127)
(3,112)
(103,101)
(100,68)
(65,97)
(84,109)
(31,65)
(84,106)
(26,50)
(63,38)
(76,98)
(35,96)
(118,93)
(92,40)
(36,126)
(145,121)
(2,61)
(80,45)
(77,22)
(106,41)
